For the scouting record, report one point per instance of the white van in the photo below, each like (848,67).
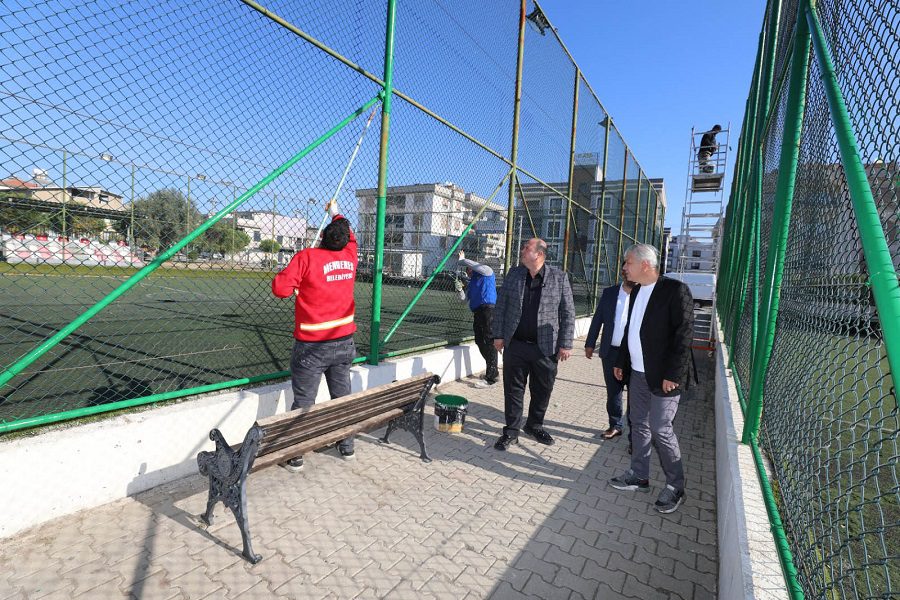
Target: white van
(702,286)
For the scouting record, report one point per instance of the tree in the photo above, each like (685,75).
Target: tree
(223,238)
(19,220)
(161,219)
(269,246)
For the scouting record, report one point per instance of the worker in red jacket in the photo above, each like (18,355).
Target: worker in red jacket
(321,281)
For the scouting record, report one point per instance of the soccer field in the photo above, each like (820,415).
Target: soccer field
(177,329)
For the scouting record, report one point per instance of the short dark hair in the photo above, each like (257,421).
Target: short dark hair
(336,235)
(717,127)
(541,247)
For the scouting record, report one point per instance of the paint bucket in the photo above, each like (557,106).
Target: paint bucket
(450,413)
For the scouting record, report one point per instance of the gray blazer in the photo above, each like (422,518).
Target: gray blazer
(556,314)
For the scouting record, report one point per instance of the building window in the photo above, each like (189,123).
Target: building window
(104,199)
(553,253)
(695,266)
(695,253)
(279,239)
(554,205)
(393,229)
(553,229)
(420,201)
(256,236)
(396,202)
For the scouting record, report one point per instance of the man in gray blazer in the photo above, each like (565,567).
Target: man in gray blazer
(534,321)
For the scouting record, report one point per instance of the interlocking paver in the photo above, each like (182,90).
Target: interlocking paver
(534,522)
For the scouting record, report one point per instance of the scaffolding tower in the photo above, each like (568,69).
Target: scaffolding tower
(699,244)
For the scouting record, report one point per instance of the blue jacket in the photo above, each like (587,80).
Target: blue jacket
(605,317)
(482,290)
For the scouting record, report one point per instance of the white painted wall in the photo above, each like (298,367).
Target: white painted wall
(748,561)
(62,471)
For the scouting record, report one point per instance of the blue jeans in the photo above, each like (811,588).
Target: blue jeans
(310,360)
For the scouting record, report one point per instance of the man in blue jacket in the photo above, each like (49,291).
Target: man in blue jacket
(482,296)
(611,316)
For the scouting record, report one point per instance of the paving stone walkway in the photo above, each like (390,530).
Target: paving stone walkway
(534,522)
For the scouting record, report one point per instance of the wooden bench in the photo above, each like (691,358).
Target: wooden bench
(400,405)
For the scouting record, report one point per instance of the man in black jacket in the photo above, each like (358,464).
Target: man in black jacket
(655,356)
(610,317)
(708,147)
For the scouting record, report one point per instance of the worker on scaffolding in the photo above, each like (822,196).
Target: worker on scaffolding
(708,147)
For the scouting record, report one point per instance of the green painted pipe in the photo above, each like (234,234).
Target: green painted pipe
(571,188)
(764,102)
(381,202)
(103,408)
(781,220)
(444,260)
(49,343)
(514,150)
(882,275)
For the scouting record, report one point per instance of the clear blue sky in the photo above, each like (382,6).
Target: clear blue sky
(661,67)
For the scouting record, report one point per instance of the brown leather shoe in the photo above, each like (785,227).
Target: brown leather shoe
(611,433)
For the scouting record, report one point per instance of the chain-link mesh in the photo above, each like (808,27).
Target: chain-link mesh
(830,417)
(126,126)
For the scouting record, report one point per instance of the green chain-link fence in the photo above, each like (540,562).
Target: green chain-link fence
(809,290)
(162,160)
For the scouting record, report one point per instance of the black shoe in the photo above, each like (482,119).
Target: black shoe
(347,454)
(294,465)
(504,442)
(540,435)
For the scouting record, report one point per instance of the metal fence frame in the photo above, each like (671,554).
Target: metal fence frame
(648,224)
(750,289)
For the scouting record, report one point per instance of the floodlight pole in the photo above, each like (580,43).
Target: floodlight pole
(64,194)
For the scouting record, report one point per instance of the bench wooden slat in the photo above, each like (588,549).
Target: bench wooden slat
(325,440)
(339,402)
(323,423)
(322,414)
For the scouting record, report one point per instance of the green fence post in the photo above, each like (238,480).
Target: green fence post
(882,275)
(381,202)
(599,241)
(781,219)
(619,250)
(761,117)
(571,190)
(514,151)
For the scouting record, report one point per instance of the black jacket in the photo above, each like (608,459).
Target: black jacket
(605,319)
(667,332)
(708,143)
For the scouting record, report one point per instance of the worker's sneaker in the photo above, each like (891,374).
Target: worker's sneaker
(347,454)
(483,383)
(294,465)
(669,500)
(630,482)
